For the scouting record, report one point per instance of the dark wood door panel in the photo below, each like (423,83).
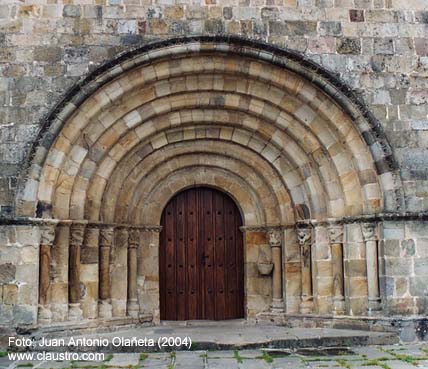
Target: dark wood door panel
(201,257)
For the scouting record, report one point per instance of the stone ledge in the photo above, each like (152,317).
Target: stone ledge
(237,337)
(408,328)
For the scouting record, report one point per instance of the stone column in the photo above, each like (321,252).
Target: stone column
(46,242)
(369,234)
(89,272)
(335,232)
(275,244)
(77,230)
(106,243)
(305,241)
(133,242)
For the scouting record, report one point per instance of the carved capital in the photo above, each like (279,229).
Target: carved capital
(274,237)
(91,236)
(369,231)
(304,236)
(47,234)
(106,236)
(77,231)
(122,238)
(134,238)
(335,233)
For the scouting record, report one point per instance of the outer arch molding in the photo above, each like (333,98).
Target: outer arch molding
(364,121)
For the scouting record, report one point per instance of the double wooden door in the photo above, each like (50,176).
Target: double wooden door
(201,257)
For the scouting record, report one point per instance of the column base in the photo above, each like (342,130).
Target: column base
(105,310)
(338,305)
(277,306)
(132,308)
(374,306)
(74,311)
(44,315)
(307,305)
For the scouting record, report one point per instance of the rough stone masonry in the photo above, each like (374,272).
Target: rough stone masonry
(374,50)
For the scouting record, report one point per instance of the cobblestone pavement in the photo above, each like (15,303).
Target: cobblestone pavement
(369,357)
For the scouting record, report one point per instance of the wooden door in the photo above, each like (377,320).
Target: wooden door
(201,260)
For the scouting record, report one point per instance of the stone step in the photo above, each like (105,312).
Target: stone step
(234,337)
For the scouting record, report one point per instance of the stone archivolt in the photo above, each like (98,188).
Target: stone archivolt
(200,114)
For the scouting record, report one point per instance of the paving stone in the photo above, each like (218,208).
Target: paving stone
(372,352)
(124,359)
(222,363)
(396,364)
(288,363)
(250,354)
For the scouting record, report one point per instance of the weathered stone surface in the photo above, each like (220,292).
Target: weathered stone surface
(7,272)
(378,48)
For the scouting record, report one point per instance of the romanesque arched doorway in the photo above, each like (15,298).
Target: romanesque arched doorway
(201,257)
(309,167)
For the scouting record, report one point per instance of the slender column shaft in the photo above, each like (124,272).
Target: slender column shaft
(305,237)
(44,282)
(336,244)
(89,271)
(46,242)
(369,233)
(76,239)
(275,244)
(134,241)
(106,243)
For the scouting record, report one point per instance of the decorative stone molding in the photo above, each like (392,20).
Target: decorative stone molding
(304,236)
(264,260)
(77,231)
(372,263)
(335,232)
(133,243)
(275,241)
(369,231)
(47,237)
(106,236)
(106,243)
(122,236)
(274,238)
(134,238)
(47,234)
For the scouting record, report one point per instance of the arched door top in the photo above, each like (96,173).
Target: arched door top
(201,258)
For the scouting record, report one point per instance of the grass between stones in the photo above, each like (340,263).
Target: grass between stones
(143,356)
(238,357)
(108,358)
(344,363)
(377,362)
(411,359)
(266,357)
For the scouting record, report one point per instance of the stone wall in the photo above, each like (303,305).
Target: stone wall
(378,47)
(19,271)
(404,249)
